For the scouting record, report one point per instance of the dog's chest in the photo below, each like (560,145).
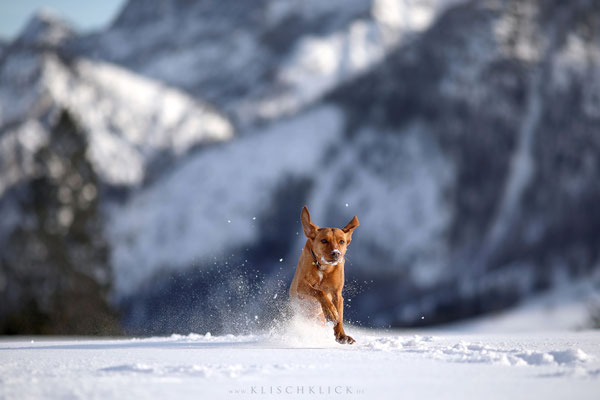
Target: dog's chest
(317,279)
(322,280)
(320,276)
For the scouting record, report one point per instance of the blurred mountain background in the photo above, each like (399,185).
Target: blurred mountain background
(152,172)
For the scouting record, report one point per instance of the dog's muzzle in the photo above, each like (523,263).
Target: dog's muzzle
(334,262)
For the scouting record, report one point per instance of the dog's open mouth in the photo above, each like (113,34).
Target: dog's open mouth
(331,262)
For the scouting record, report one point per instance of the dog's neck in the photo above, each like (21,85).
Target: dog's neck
(315,259)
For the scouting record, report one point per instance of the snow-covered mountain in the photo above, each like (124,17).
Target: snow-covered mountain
(475,181)
(262,59)
(465,143)
(131,121)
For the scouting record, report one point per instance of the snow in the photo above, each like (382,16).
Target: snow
(302,361)
(528,353)
(523,354)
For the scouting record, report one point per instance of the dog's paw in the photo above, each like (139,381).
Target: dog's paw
(345,339)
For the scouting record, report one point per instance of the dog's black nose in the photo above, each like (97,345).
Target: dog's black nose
(335,254)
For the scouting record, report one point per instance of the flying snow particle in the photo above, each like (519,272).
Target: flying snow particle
(281,259)
(274,297)
(254,218)
(228,221)
(422,317)
(346,204)
(256,317)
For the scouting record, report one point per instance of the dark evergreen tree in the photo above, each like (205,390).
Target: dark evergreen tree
(59,259)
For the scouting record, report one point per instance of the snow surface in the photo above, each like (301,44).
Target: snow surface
(531,352)
(301,358)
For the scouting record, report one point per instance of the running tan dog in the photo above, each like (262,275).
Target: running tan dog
(319,279)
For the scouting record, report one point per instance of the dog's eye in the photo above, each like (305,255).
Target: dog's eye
(323,241)
(342,242)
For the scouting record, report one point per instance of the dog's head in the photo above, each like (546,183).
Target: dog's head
(328,244)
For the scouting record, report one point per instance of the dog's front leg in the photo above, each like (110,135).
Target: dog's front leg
(338,329)
(329,309)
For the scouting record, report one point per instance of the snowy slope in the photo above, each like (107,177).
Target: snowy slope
(194,215)
(567,307)
(383,365)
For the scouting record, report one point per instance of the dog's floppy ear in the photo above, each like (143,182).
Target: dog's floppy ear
(351,225)
(310,229)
